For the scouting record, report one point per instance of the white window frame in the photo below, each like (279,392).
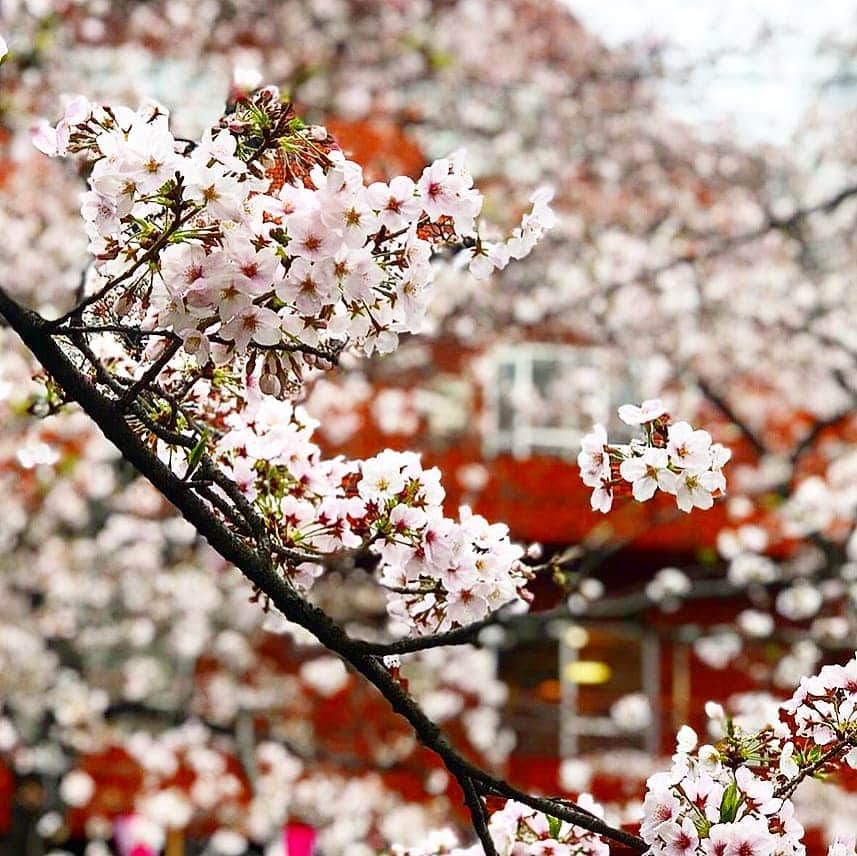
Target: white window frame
(523,439)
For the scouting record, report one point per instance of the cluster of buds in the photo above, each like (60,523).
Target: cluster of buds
(671,457)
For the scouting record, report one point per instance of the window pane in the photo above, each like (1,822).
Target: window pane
(547,396)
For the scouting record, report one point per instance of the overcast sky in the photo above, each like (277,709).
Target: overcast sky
(763,91)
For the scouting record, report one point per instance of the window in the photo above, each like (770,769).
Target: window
(542,398)
(610,689)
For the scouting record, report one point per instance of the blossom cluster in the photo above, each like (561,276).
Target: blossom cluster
(261,244)
(691,810)
(261,253)
(824,708)
(518,830)
(735,798)
(671,457)
(440,573)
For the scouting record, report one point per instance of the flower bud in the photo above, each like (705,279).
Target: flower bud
(269,384)
(123,304)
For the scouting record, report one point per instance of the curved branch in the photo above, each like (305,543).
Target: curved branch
(727,410)
(410,645)
(259,568)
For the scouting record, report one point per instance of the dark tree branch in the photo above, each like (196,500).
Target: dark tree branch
(478,816)
(150,375)
(726,409)
(830,755)
(460,636)
(259,568)
(179,219)
(812,435)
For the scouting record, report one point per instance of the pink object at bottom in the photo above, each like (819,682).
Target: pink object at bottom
(125,836)
(299,839)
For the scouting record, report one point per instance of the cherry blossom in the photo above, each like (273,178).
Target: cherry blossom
(254,262)
(517,830)
(648,473)
(648,411)
(673,458)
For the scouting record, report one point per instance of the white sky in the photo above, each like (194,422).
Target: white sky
(762,91)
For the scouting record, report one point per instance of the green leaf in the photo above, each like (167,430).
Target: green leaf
(729,804)
(554,826)
(196,454)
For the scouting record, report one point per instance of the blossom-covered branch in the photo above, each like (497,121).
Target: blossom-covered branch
(259,568)
(671,457)
(248,262)
(241,249)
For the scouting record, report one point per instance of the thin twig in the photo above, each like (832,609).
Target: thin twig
(150,375)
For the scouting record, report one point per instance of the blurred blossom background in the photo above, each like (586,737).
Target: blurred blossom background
(704,162)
